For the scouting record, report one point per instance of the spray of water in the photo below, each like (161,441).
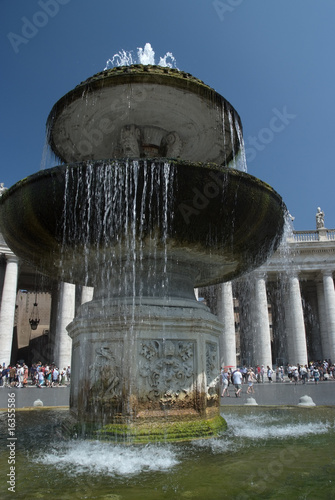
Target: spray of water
(96,458)
(145,55)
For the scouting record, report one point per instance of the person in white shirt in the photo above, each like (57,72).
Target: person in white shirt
(20,373)
(55,375)
(237,381)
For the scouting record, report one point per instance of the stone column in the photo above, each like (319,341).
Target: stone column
(86,294)
(322,319)
(297,351)
(328,285)
(225,313)
(261,327)
(7,312)
(66,312)
(53,347)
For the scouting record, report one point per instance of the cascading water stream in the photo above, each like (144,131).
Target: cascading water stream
(106,214)
(241,157)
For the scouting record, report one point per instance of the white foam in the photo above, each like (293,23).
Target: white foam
(280,432)
(79,457)
(266,427)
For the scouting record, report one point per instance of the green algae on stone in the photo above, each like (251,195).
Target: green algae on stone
(163,431)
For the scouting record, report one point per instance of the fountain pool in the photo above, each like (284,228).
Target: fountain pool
(267,452)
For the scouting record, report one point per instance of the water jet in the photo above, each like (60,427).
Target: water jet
(144,208)
(306,401)
(251,402)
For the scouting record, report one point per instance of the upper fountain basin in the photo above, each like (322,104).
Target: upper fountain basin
(84,222)
(144,111)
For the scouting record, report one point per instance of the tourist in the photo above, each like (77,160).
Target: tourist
(262,373)
(12,376)
(251,380)
(25,375)
(41,380)
(295,375)
(316,375)
(281,373)
(47,375)
(225,382)
(237,381)
(68,373)
(5,376)
(269,373)
(277,374)
(62,377)
(55,375)
(244,372)
(19,374)
(33,372)
(304,374)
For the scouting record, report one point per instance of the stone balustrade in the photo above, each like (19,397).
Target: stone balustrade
(305,236)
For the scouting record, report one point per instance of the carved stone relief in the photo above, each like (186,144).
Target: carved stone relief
(105,373)
(167,366)
(211,361)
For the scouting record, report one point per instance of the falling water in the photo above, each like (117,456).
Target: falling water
(235,135)
(241,156)
(114,212)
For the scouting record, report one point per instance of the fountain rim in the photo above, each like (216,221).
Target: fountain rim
(133,74)
(56,173)
(172,161)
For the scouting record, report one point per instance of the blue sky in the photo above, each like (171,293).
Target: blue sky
(272,59)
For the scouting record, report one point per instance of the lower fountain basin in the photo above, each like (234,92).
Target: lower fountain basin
(73,221)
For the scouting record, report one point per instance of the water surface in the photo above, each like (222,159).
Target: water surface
(267,453)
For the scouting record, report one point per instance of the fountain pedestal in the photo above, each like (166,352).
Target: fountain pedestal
(143,360)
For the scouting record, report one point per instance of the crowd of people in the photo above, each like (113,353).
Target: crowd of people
(315,372)
(39,375)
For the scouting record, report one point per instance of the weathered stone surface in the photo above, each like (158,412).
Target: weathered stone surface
(143,357)
(158,103)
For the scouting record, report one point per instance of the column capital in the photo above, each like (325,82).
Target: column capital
(294,275)
(260,274)
(11,257)
(327,272)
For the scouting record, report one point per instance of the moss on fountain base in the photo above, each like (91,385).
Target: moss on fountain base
(163,431)
(157,426)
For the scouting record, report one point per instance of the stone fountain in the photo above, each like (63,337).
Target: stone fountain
(144,208)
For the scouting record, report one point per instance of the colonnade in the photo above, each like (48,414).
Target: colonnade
(62,313)
(261,329)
